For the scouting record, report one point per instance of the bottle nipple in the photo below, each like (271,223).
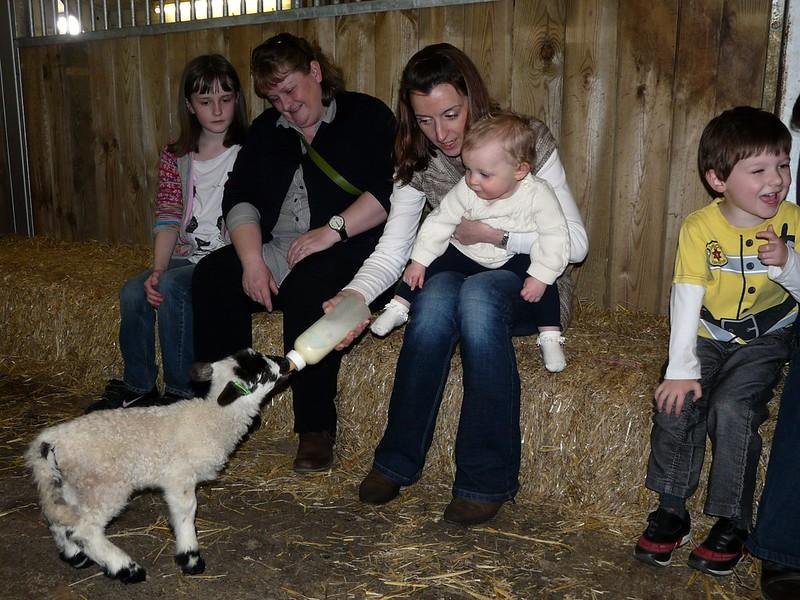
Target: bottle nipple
(296,360)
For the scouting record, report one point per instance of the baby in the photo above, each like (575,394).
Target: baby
(498,190)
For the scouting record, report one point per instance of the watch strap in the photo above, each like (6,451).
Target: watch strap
(504,241)
(342,231)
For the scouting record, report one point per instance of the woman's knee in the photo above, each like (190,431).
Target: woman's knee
(299,287)
(316,278)
(438,296)
(490,296)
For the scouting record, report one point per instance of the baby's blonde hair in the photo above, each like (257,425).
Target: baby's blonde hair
(511,130)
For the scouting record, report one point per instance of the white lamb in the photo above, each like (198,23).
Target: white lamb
(87,468)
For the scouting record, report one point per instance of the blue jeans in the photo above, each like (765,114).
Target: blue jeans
(544,313)
(776,536)
(478,312)
(137,330)
(737,382)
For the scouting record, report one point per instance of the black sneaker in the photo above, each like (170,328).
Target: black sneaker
(721,551)
(117,395)
(665,532)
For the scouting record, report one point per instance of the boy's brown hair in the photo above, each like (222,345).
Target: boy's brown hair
(511,130)
(737,134)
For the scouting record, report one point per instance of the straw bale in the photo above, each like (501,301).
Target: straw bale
(60,304)
(585,430)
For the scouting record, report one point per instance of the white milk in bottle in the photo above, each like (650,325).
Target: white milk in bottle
(317,341)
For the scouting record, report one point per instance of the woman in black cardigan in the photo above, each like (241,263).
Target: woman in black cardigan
(298,236)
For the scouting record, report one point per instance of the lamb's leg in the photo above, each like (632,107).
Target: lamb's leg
(182,503)
(70,552)
(115,563)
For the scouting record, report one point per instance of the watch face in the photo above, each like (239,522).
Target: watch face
(336,222)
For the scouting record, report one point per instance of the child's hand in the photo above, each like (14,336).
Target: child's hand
(154,297)
(414,275)
(532,289)
(775,252)
(671,394)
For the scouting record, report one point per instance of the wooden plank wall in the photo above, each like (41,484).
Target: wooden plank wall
(626,87)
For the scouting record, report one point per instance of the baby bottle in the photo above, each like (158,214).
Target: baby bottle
(317,341)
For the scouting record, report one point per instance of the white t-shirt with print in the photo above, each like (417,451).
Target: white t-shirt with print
(208,180)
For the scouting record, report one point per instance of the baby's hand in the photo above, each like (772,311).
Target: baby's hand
(532,289)
(671,394)
(414,275)
(774,252)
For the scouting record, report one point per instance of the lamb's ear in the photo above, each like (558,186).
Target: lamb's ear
(235,389)
(201,372)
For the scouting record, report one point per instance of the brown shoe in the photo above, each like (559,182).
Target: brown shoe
(467,512)
(779,582)
(377,489)
(314,452)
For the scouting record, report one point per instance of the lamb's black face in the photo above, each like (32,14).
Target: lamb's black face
(254,367)
(249,371)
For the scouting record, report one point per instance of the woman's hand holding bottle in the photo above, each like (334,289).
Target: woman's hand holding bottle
(328,305)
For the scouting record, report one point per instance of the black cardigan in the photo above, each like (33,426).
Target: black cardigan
(357,143)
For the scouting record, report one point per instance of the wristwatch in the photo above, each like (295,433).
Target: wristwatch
(336,223)
(504,242)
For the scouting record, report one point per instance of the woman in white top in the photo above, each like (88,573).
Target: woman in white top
(441,93)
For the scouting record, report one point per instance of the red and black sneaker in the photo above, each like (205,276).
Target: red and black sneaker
(721,551)
(665,532)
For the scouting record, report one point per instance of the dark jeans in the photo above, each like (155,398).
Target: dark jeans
(545,313)
(223,321)
(737,382)
(478,312)
(137,330)
(776,536)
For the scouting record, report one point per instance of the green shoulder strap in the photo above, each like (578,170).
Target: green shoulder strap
(326,168)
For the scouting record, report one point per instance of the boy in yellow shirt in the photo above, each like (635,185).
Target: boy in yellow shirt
(732,307)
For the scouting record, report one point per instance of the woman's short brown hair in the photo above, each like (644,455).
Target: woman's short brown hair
(285,53)
(434,65)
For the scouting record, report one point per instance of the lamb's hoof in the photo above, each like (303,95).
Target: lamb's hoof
(79,560)
(133,573)
(191,563)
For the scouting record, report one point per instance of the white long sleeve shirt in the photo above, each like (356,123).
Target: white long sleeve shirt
(385,265)
(532,207)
